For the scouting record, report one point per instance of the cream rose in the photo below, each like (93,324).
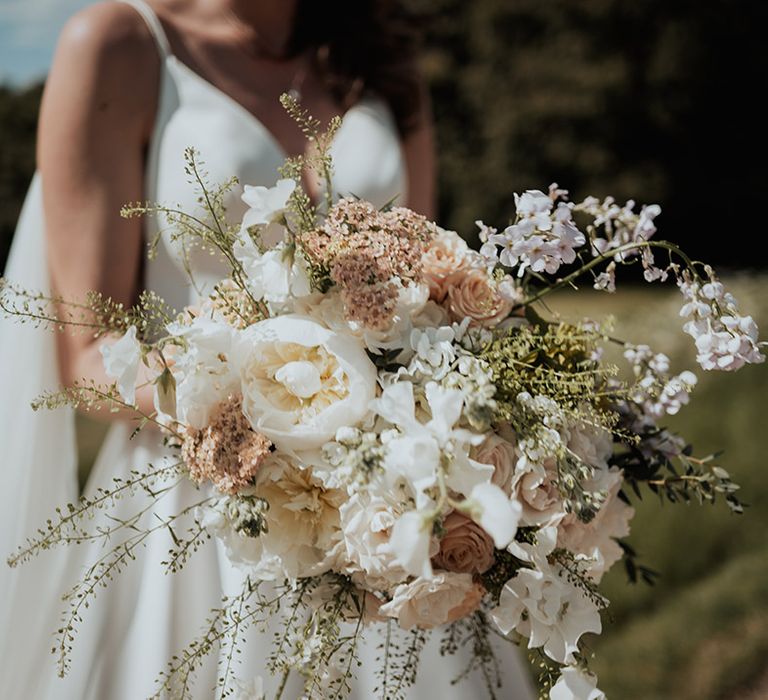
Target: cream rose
(501,455)
(446,259)
(533,486)
(465,547)
(366,523)
(301,382)
(428,603)
(474,295)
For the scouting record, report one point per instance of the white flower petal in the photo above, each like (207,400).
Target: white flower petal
(121,363)
(574,684)
(495,512)
(409,542)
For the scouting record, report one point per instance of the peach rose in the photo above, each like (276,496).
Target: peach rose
(465,547)
(371,612)
(430,602)
(475,295)
(501,455)
(446,259)
(467,606)
(597,538)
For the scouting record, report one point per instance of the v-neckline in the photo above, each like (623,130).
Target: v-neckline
(240,108)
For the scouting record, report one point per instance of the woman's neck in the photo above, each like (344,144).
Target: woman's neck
(271,20)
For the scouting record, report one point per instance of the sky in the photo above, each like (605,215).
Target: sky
(28,32)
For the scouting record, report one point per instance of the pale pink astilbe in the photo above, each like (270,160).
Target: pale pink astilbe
(369,254)
(227,452)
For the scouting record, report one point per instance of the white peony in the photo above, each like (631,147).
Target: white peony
(427,603)
(204,372)
(121,363)
(575,684)
(301,382)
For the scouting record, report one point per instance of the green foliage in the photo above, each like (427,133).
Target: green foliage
(18,125)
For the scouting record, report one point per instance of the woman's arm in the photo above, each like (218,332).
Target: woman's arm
(97,111)
(418,146)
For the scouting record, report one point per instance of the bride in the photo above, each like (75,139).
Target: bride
(133,84)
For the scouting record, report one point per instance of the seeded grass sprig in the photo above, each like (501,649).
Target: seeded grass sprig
(99,574)
(69,526)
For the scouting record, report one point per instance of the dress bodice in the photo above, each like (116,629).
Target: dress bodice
(367,159)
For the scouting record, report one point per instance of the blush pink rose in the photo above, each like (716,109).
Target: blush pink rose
(471,602)
(501,455)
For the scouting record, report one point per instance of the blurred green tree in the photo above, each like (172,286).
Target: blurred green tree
(18,122)
(650,99)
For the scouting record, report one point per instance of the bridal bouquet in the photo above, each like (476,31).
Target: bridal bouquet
(383,425)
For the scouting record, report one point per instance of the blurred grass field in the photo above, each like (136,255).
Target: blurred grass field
(702,631)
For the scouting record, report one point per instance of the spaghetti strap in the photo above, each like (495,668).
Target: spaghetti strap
(154,24)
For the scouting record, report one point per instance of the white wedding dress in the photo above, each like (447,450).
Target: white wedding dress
(144,617)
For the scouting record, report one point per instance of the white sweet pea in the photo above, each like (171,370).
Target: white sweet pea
(542,605)
(301,382)
(434,351)
(495,512)
(409,542)
(267,208)
(575,684)
(275,275)
(251,690)
(121,363)
(415,453)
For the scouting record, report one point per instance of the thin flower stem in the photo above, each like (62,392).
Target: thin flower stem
(608,255)
(674,479)
(283,683)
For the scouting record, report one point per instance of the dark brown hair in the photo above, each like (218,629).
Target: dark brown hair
(362,46)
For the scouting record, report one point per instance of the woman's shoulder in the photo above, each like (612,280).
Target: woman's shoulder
(111,35)
(107,63)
